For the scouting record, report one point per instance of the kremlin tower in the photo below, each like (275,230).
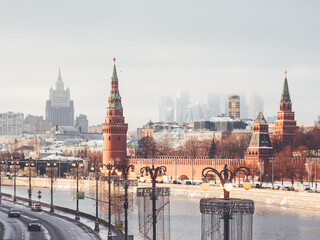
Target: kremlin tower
(114,128)
(285,126)
(260,147)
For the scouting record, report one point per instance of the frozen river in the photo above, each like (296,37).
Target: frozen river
(270,222)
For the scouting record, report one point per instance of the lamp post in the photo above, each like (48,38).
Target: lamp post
(238,161)
(175,170)
(192,170)
(125,169)
(226,176)
(51,164)
(3,162)
(110,167)
(76,164)
(272,160)
(261,170)
(315,161)
(96,168)
(153,175)
(14,163)
(29,164)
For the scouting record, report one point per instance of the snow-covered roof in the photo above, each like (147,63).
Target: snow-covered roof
(61,158)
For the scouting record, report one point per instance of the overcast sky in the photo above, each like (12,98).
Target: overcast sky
(161,47)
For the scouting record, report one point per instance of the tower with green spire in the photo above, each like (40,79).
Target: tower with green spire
(285,126)
(114,128)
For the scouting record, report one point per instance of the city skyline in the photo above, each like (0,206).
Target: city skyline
(207,49)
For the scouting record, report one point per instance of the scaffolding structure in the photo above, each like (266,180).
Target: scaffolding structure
(232,216)
(154,208)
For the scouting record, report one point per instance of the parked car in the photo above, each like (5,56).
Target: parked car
(14,213)
(308,190)
(277,187)
(258,185)
(34,224)
(188,182)
(286,188)
(36,207)
(291,188)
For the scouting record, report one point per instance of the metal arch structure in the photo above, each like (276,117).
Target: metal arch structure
(225,219)
(225,175)
(153,172)
(154,215)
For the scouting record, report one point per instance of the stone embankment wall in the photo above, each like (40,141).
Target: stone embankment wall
(193,192)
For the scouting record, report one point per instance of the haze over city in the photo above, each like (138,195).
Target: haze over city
(161,47)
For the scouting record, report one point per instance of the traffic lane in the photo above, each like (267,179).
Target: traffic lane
(17,228)
(12,226)
(58,227)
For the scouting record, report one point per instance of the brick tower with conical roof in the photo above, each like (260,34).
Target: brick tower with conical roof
(114,128)
(260,147)
(285,126)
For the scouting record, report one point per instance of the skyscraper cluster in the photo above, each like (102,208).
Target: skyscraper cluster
(183,109)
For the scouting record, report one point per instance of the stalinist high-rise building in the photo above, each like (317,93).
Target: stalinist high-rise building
(114,128)
(59,107)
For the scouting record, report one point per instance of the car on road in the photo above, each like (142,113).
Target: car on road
(34,224)
(14,213)
(36,207)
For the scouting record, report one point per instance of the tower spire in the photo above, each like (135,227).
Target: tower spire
(285,97)
(114,100)
(59,77)
(114,73)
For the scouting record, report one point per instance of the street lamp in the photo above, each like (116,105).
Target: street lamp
(52,164)
(261,170)
(125,169)
(272,160)
(238,161)
(96,168)
(14,162)
(29,164)
(153,175)
(316,161)
(109,169)
(192,170)
(3,162)
(76,164)
(226,176)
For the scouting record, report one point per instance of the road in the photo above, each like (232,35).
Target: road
(53,227)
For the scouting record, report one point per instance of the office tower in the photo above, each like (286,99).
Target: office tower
(234,106)
(213,105)
(255,103)
(59,107)
(182,102)
(166,109)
